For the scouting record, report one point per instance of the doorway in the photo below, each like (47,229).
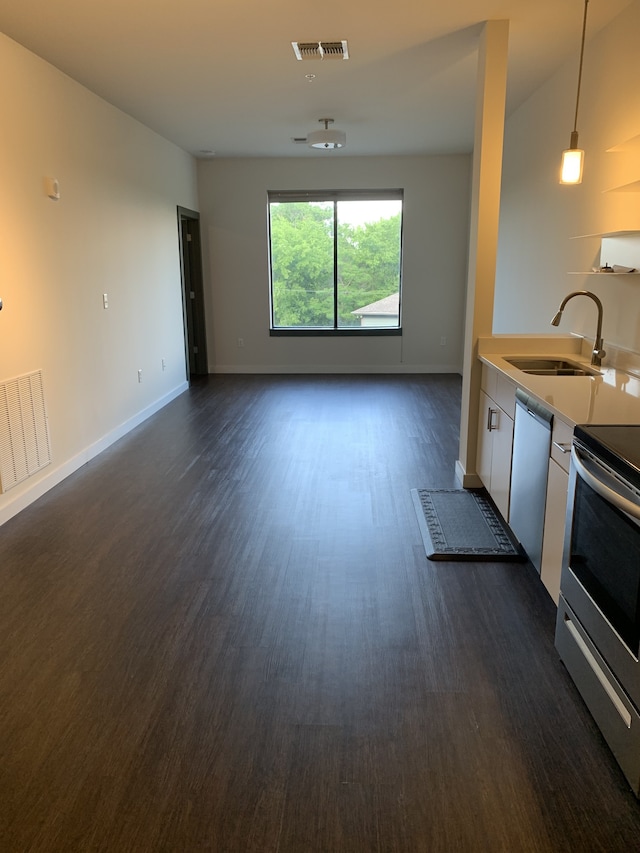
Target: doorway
(195,336)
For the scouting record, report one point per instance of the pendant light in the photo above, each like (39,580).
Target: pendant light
(327,139)
(573,157)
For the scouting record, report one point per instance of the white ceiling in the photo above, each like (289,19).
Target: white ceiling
(221,75)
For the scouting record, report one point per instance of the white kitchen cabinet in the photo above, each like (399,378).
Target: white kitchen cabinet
(554,522)
(556,507)
(495,436)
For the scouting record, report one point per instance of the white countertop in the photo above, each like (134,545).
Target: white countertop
(613,397)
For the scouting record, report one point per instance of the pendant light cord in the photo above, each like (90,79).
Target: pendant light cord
(584,32)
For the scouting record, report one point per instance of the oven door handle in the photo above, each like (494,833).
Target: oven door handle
(613,497)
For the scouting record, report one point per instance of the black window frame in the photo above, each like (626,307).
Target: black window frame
(335,196)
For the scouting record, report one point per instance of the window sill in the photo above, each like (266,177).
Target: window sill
(335,333)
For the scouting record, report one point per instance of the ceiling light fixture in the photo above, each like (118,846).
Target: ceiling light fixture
(573,157)
(327,139)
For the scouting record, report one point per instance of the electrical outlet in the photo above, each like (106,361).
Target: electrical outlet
(140,376)
(105,300)
(443,341)
(240,342)
(164,363)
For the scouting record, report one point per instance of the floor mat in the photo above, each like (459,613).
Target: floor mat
(462,524)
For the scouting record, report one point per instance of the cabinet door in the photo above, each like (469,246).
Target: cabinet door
(493,456)
(554,521)
(485,440)
(501,463)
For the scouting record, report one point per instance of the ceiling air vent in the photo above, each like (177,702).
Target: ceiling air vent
(320,49)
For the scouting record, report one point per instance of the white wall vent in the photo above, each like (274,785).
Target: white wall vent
(320,49)
(24,434)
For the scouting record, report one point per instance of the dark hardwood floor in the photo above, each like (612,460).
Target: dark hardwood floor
(223,635)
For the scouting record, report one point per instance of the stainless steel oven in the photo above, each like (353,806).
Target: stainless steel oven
(598,627)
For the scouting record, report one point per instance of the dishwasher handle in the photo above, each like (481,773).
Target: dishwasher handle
(533,408)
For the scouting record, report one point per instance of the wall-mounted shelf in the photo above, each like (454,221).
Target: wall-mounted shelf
(629,146)
(633,187)
(602,234)
(617,248)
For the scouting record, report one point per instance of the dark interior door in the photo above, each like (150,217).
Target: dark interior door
(193,292)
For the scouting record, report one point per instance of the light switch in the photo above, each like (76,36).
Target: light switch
(105,300)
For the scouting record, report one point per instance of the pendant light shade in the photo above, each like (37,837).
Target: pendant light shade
(327,139)
(572,162)
(573,157)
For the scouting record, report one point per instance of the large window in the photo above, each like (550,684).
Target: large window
(335,262)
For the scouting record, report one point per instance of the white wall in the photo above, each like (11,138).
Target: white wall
(539,216)
(113,231)
(233,205)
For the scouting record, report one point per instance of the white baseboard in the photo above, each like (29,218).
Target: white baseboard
(311,369)
(50,477)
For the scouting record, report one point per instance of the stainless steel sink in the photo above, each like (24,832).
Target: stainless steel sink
(551,366)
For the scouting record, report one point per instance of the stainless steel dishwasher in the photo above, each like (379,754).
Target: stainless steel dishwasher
(529,467)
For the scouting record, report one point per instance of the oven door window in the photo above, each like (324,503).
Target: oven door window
(605,557)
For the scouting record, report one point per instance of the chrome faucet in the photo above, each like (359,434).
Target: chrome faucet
(598,353)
